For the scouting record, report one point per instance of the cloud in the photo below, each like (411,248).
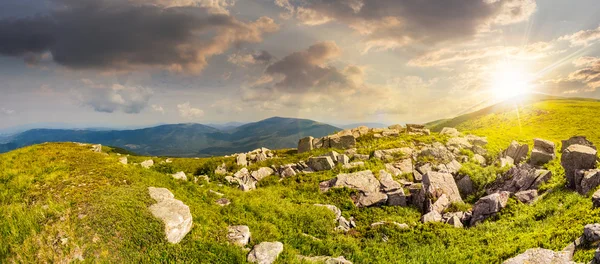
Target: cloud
(7,111)
(387,24)
(215,6)
(121,35)
(583,37)
(158,108)
(186,111)
(448,56)
(258,57)
(584,79)
(113,98)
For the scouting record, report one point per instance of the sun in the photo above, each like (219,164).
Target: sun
(510,80)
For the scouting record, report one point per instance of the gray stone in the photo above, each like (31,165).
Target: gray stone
(325,259)
(450,131)
(180,176)
(591,233)
(147,164)
(516,151)
(287,171)
(520,178)
(417,196)
(436,184)
(387,182)
(388,154)
(589,180)
(479,159)
(123,160)
(479,150)
(320,163)
(305,144)
(526,196)
(262,173)
(453,167)
(241,160)
(336,211)
(318,143)
(432,216)
(488,206)
(361,157)
(539,158)
(223,202)
(440,154)
(425,168)
(343,159)
(440,204)
(476,140)
(576,140)
(543,145)
(342,142)
(577,157)
(540,256)
(352,165)
(363,181)
(507,161)
(221,169)
(238,235)
(455,222)
(460,143)
(265,252)
(174,213)
(596,199)
(97,148)
(465,186)
(371,199)
(401,226)
(396,197)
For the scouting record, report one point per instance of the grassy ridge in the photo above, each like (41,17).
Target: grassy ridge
(60,200)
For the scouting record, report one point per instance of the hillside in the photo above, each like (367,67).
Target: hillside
(61,201)
(184,139)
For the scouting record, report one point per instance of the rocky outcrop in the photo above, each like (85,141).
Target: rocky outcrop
(488,206)
(520,178)
(540,256)
(174,213)
(516,151)
(147,164)
(576,140)
(238,235)
(372,192)
(577,157)
(343,140)
(265,252)
(587,180)
(432,216)
(243,179)
(542,153)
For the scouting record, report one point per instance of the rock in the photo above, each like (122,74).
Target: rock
(325,259)
(388,154)
(479,159)
(417,176)
(425,168)
(245,180)
(450,131)
(260,157)
(432,216)
(488,206)
(320,163)
(363,181)
(371,199)
(507,161)
(417,196)
(336,211)
(241,160)
(123,160)
(387,182)
(147,164)
(320,143)
(287,171)
(440,154)
(476,140)
(460,143)
(478,150)
(596,199)
(596,259)
(401,226)
(396,127)
(354,165)
(588,180)
(520,178)
(361,157)
(453,167)
(202,177)
(351,152)
(540,256)
(342,142)
(436,184)
(343,159)
(306,144)
(238,235)
(221,169)
(180,176)
(265,252)
(262,173)
(440,204)
(415,129)
(577,157)
(576,140)
(174,213)
(400,167)
(465,186)
(223,201)
(526,196)
(396,197)
(169,160)
(542,153)
(455,221)
(390,133)
(97,148)
(516,151)
(591,233)
(332,154)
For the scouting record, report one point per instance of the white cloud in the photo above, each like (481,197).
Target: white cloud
(187,111)
(113,98)
(158,108)
(7,111)
(583,37)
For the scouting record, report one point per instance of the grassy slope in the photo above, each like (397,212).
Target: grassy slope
(55,191)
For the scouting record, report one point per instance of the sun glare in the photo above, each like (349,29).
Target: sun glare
(510,80)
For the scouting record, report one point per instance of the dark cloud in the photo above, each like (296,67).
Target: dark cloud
(392,23)
(120,35)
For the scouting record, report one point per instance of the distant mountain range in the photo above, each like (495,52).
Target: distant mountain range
(185,139)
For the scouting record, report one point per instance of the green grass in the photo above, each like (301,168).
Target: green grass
(57,199)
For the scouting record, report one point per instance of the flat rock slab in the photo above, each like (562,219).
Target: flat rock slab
(540,256)
(174,213)
(265,252)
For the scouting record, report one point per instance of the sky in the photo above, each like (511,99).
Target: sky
(141,62)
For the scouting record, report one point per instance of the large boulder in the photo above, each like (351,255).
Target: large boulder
(436,184)
(488,206)
(238,235)
(363,181)
(241,160)
(342,142)
(540,256)
(542,153)
(265,252)
(577,157)
(305,144)
(371,199)
(576,140)
(321,163)
(516,151)
(174,213)
(520,178)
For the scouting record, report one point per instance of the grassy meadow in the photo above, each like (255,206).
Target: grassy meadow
(60,202)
